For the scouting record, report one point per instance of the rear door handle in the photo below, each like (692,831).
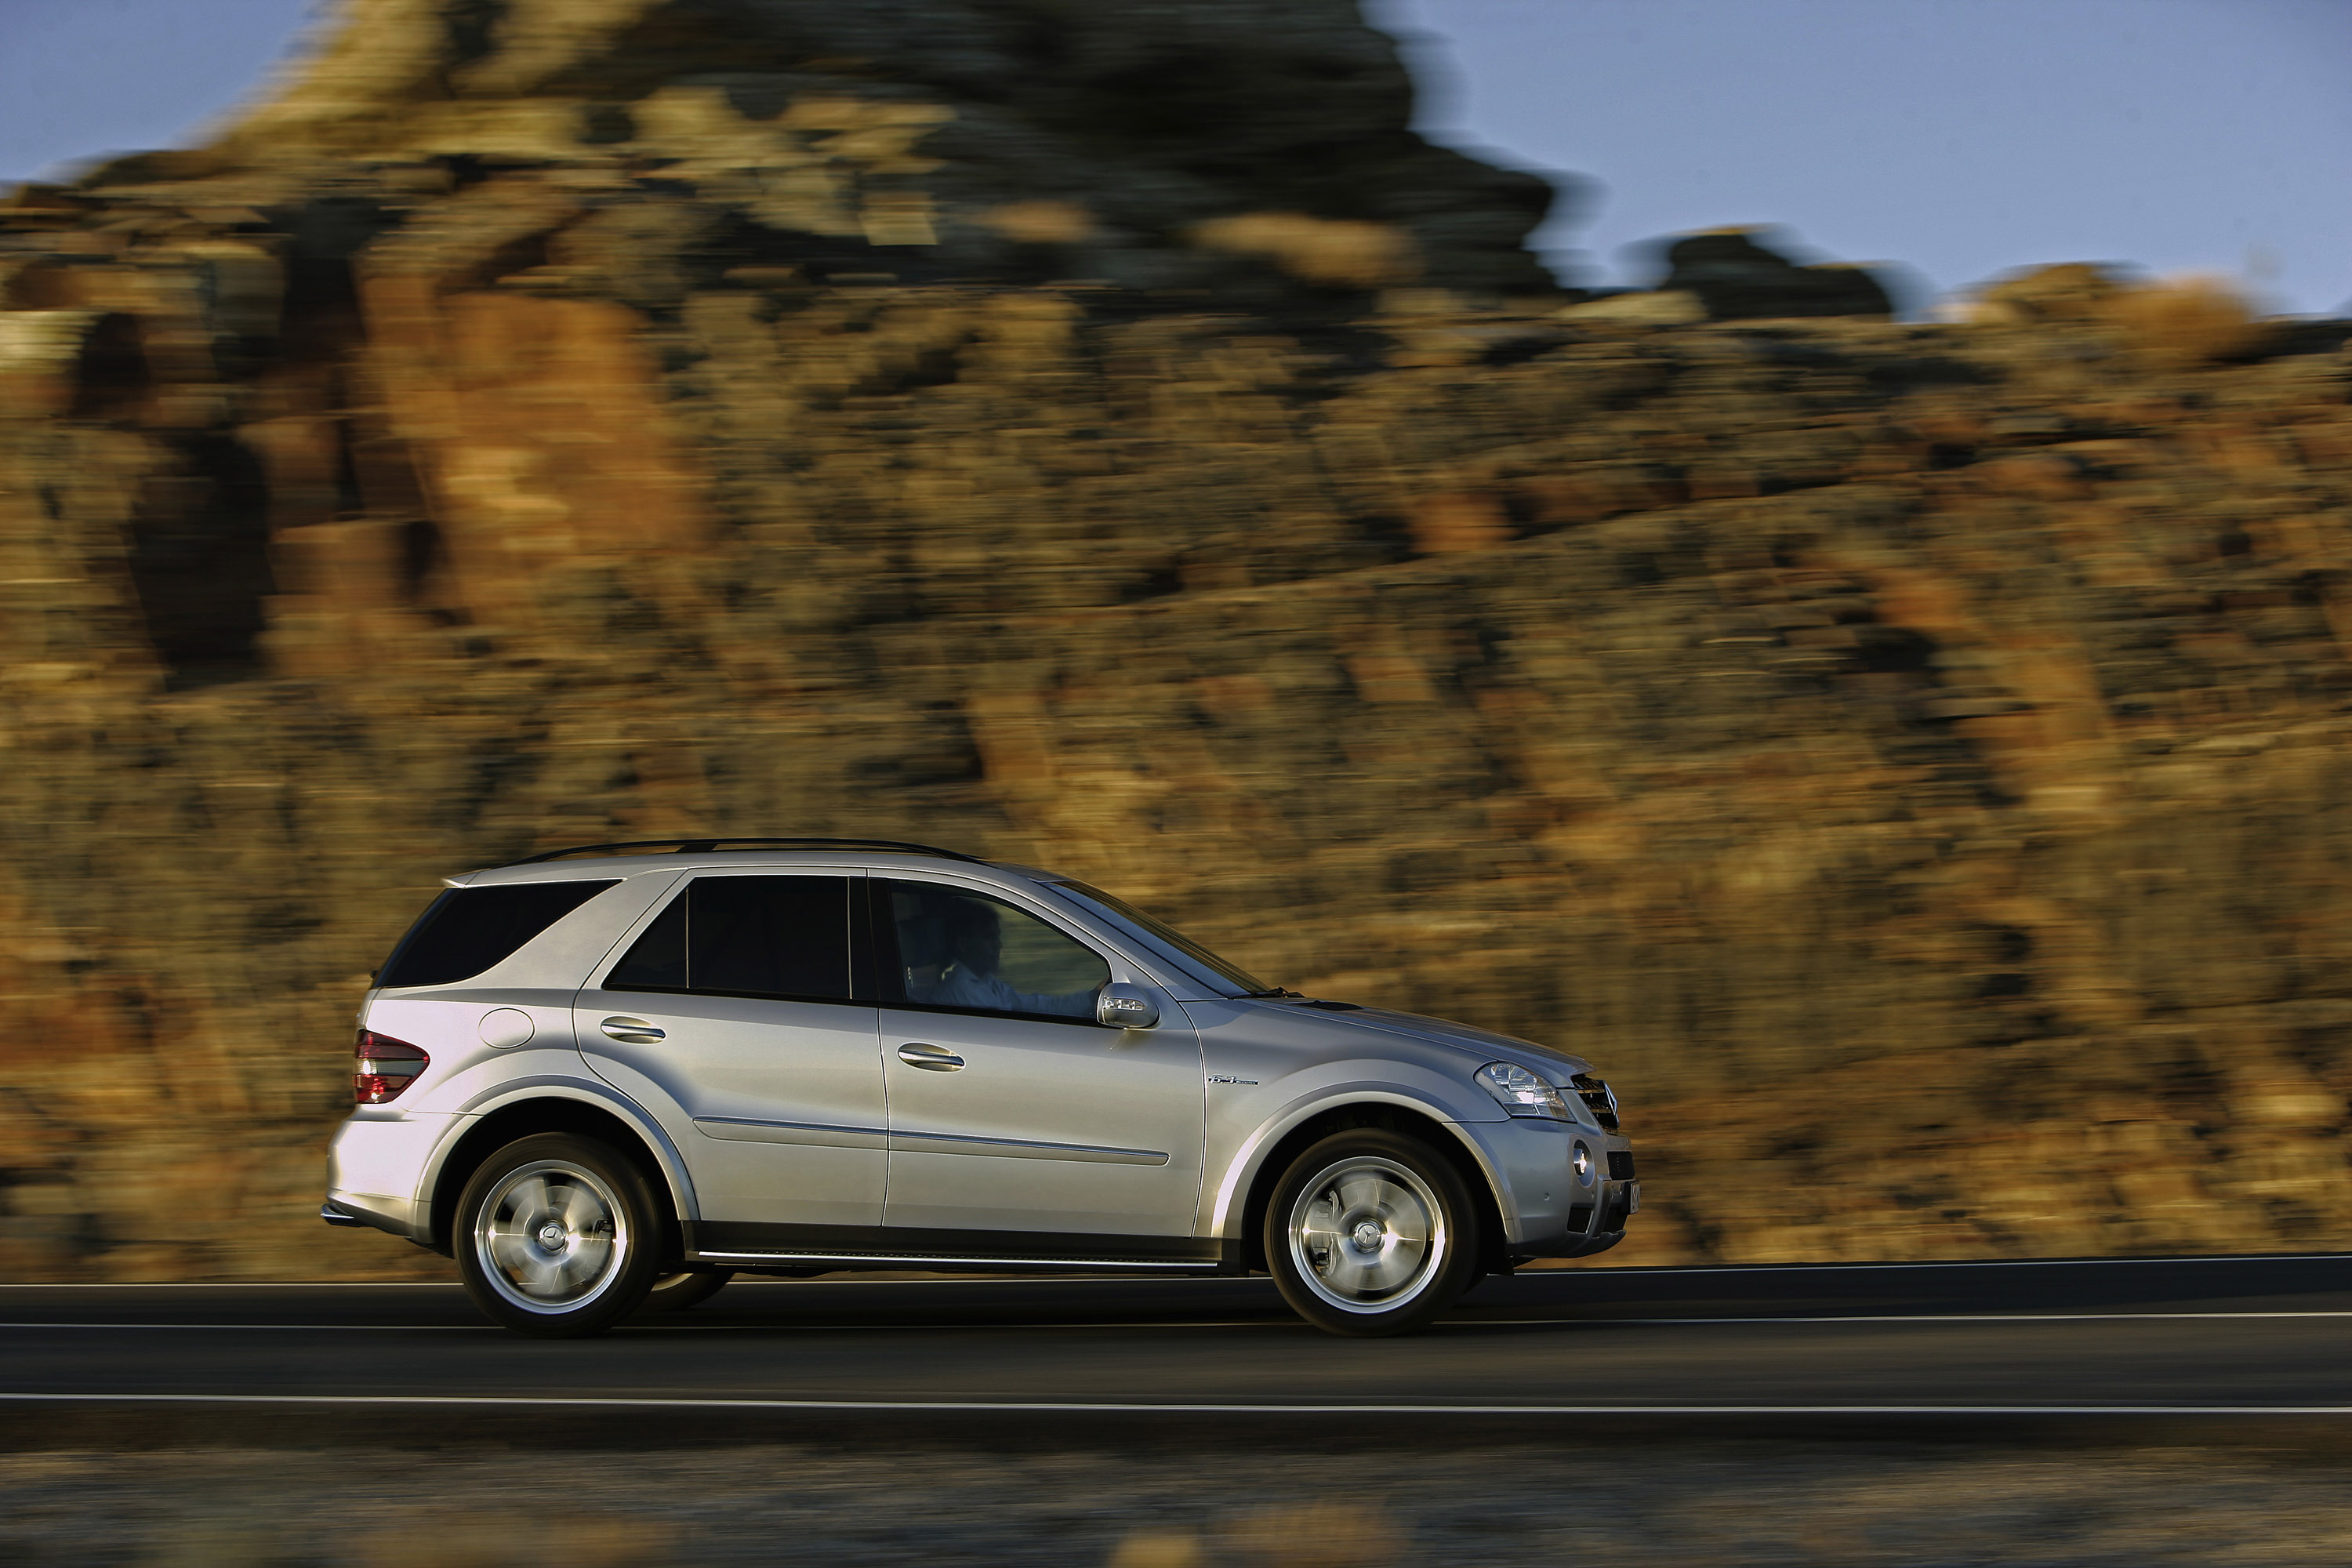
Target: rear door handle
(930,1059)
(632,1031)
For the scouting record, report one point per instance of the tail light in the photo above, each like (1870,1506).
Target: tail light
(382,1067)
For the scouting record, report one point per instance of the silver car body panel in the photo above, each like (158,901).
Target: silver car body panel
(1047,1127)
(569,1082)
(1272,1067)
(411,1148)
(1060,1127)
(1071,1128)
(377,1164)
(757,1140)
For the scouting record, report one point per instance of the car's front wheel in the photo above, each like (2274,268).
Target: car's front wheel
(1371,1233)
(558,1235)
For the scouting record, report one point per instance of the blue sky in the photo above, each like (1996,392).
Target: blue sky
(1961,138)
(80,77)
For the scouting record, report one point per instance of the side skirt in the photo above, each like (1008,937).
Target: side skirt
(745,1245)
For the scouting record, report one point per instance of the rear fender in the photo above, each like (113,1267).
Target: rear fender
(586,1092)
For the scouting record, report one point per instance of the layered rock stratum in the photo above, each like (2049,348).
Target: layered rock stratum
(1911,759)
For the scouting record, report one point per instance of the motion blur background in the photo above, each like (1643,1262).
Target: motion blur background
(1906,754)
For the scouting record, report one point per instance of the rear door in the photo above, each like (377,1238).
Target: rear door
(1011,1111)
(732,1014)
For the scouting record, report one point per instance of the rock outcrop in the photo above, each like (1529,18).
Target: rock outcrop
(1736,276)
(1910,758)
(935,139)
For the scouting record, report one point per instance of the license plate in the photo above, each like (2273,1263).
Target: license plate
(1632,1197)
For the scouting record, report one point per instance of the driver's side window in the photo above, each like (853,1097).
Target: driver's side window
(972,952)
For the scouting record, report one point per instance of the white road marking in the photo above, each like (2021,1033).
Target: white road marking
(1077,1407)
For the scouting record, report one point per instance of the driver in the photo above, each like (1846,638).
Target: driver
(963,971)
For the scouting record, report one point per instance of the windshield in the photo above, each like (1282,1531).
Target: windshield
(1172,947)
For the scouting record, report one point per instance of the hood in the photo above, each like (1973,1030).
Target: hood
(1484,1044)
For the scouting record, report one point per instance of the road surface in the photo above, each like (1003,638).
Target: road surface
(2259,1337)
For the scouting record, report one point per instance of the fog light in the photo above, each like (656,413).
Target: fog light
(1582,1161)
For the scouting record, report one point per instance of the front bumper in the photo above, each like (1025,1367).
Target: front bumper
(1550,1212)
(1602,1224)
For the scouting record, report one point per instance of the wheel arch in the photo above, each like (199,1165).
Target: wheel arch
(560,1107)
(1264,1165)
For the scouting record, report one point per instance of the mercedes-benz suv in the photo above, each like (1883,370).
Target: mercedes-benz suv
(607,1079)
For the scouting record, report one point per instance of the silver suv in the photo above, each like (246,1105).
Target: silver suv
(608,1085)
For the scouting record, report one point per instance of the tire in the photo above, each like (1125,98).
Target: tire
(558,1237)
(1371,1233)
(676,1292)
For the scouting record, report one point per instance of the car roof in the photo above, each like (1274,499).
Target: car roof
(608,868)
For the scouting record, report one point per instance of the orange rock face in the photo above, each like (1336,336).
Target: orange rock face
(1910,760)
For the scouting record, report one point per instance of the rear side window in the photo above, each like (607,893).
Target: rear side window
(786,937)
(467,930)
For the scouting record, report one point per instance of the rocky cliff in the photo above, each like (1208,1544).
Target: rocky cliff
(1911,759)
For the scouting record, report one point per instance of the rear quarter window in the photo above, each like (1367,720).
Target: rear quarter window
(467,930)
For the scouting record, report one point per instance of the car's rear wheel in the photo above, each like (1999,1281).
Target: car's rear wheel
(688,1287)
(1371,1233)
(557,1236)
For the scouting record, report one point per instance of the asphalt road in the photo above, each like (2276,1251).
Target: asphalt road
(2243,1336)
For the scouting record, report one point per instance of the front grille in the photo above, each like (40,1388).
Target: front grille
(1580,1219)
(1597,1100)
(1621,1164)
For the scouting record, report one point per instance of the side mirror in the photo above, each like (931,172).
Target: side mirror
(1119,1006)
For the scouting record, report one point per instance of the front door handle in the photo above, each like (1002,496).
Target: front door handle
(632,1031)
(930,1059)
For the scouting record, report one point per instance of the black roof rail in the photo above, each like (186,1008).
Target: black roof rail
(704,845)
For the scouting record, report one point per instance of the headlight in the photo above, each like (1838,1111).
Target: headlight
(1522,1093)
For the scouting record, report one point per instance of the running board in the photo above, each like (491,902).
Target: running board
(925,1260)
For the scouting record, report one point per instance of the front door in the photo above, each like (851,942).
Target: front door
(731,1018)
(1011,1111)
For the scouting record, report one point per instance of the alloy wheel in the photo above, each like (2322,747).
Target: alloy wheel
(550,1236)
(1366,1234)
